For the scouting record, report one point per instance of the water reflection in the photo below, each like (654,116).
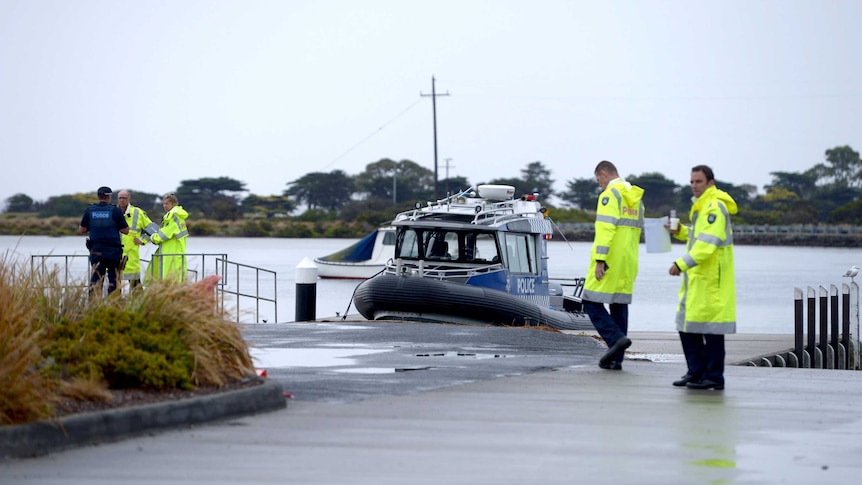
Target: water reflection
(270,358)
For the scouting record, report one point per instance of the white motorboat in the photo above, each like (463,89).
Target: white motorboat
(361,260)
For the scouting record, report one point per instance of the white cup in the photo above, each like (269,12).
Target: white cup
(673,222)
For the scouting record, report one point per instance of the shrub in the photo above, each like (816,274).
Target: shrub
(254,229)
(343,230)
(121,348)
(296,230)
(202,228)
(218,351)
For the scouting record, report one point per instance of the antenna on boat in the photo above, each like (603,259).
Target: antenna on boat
(561,233)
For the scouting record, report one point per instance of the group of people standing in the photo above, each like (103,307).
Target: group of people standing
(117,232)
(706,311)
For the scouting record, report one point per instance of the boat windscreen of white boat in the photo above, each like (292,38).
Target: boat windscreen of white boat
(362,250)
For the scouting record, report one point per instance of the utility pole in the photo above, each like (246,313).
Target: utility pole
(447,174)
(434,109)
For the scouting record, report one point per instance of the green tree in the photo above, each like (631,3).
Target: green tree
(535,178)
(844,168)
(581,193)
(19,203)
(406,180)
(782,207)
(521,186)
(70,205)
(373,211)
(803,184)
(830,197)
(452,185)
(214,198)
(323,190)
(538,179)
(268,206)
(741,194)
(848,214)
(660,193)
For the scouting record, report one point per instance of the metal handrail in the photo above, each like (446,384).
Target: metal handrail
(210,264)
(428,269)
(238,293)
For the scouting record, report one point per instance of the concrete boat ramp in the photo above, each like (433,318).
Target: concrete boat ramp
(395,403)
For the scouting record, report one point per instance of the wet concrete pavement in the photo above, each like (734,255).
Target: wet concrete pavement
(544,413)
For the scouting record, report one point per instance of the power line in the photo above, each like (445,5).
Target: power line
(378,130)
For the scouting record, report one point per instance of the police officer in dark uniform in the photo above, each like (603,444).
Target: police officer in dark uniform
(104,222)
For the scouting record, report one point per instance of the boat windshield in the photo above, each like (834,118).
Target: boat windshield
(447,245)
(521,250)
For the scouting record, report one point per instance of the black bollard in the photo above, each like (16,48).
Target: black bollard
(306,291)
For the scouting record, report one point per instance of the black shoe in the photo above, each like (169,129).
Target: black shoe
(705,384)
(685,380)
(611,366)
(619,345)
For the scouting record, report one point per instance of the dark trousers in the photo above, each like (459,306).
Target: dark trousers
(104,270)
(704,355)
(611,326)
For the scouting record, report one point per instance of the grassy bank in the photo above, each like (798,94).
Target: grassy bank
(287,228)
(11,225)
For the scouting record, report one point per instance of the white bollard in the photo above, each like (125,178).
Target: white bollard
(306,290)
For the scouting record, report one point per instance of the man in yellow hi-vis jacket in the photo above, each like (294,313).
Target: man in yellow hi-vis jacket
(613,261)
(169,261)
(707,298)
(137,220)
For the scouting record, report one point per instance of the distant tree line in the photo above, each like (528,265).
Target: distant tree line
(830,191)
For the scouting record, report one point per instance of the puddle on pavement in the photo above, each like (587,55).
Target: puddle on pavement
(470,355)
(331,326)
(278,358)
(379,370)
(657,357)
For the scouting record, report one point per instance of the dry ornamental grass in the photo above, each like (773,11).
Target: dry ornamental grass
(63,352)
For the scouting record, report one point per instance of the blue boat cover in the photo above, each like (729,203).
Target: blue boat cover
(362,250)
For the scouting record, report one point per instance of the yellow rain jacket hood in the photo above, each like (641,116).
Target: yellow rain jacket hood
(170,260)
(707,298)
(619,221)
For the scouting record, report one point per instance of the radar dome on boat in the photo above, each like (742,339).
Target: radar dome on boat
(496,192)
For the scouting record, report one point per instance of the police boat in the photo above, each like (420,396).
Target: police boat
(476,257)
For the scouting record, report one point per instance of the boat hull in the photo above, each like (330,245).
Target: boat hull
(348,271)
(424,299)
(361,260)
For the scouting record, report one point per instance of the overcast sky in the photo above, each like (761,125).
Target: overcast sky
(145,94)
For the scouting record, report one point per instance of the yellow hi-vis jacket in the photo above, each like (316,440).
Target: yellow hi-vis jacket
(619,221)
(137,220)
(169,261)
(707,298)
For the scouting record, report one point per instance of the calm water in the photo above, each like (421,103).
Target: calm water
(765,276)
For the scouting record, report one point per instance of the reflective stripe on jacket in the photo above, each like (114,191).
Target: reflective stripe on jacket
(137,220)
(619,221)
(707,298)
(170,260)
